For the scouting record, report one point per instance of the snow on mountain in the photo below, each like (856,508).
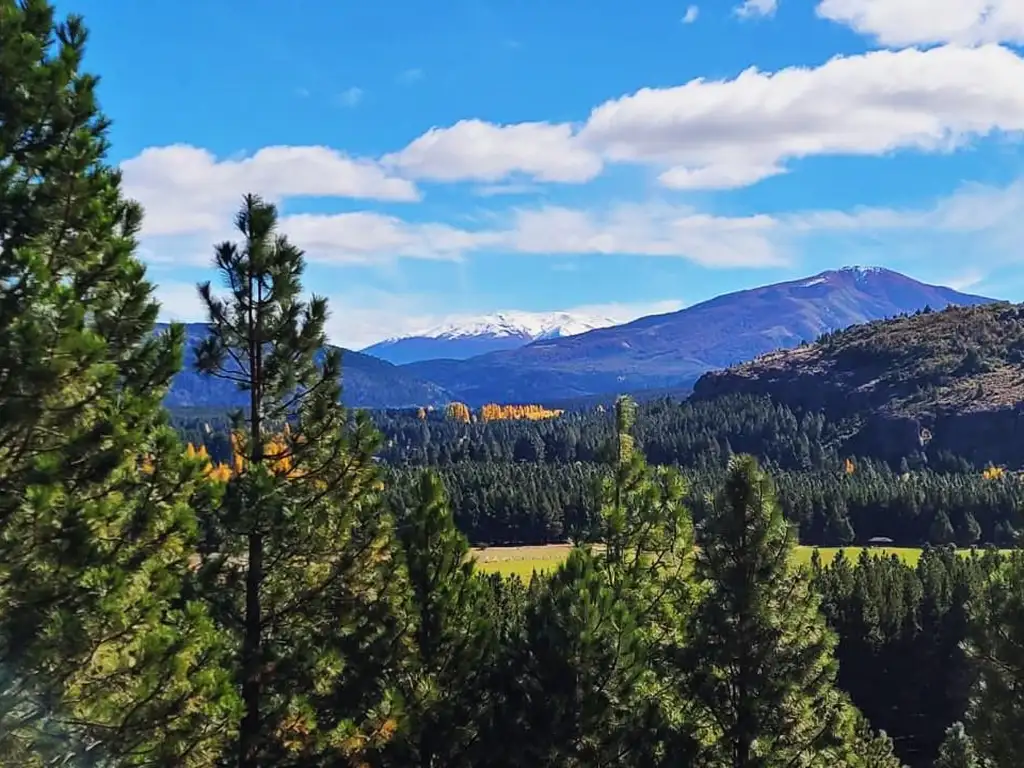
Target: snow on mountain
(459,338)
(526,325)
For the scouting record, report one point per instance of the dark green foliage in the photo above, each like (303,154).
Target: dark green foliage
(96,643)
(996,646)
(901,632)
(498,500)
(455,638)
(957,750)
(760,659)
(303,575)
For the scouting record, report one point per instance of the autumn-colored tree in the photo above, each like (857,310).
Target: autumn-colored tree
(458,412)
(495,412)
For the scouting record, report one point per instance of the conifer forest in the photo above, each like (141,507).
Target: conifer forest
(295,584)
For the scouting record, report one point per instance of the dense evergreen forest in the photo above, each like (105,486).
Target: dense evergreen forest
(532,481)
(293,589)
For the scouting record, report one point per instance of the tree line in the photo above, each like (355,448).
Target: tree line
(157,609)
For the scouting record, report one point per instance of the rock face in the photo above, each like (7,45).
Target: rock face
(940,381)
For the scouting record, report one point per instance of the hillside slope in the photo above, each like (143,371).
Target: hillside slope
(673,350)
(946,380)
(367,383)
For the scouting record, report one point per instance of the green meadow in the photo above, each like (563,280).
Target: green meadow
(523,561)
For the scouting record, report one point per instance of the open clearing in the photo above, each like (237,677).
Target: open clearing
(523,561)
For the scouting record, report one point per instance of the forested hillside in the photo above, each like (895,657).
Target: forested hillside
(950,380)
(291,588)
(518,481)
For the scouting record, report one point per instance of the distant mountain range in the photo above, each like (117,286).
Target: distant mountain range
(672,350)
(367,382)
(466,338)
(669,351)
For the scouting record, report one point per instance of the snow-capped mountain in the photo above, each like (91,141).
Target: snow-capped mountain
(460,338)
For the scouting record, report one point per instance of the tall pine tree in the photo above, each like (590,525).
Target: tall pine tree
(98,649)
(760,661)
(304,575)
(996,647)
(455,640)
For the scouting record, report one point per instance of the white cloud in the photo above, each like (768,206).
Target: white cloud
(965,281)
(716,134)
(691,14)
(351,96)
(913,22)
(753,8)
(368,238)
(494,190)
(649,230)
(180,302)
(364,237)
(410,76)
(185,189)
(480,151)
(973,209)
(730,133)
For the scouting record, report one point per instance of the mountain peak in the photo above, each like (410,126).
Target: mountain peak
(458,338)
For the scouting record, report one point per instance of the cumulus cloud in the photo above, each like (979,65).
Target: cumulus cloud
(732,132)
(900,23)
(368,238)
(649,230)
(364,237)
(977,224)
(753,8)
(186,189)
(718,134)
(480,151)
(691,14)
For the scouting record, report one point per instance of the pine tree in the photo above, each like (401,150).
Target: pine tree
(587,689)
(305,571)
(969,532)
(98,648)
(761,655)
(941,531)
(996,647)
(455,642)
(957,750)
(581,661)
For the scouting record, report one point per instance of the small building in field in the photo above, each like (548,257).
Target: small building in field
(880,541)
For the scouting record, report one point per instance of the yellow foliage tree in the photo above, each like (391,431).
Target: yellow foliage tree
(458,412)
(849,467)
(495,412)
(993,473)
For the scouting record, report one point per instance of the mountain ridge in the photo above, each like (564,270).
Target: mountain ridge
(367,382)
(947,379)
(672,350)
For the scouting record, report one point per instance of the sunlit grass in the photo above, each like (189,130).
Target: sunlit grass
(523,561)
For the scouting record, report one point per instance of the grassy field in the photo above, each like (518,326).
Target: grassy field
(523,561)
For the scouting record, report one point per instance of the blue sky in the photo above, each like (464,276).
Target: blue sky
(439,159)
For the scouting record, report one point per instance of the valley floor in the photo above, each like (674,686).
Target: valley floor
(523,561)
